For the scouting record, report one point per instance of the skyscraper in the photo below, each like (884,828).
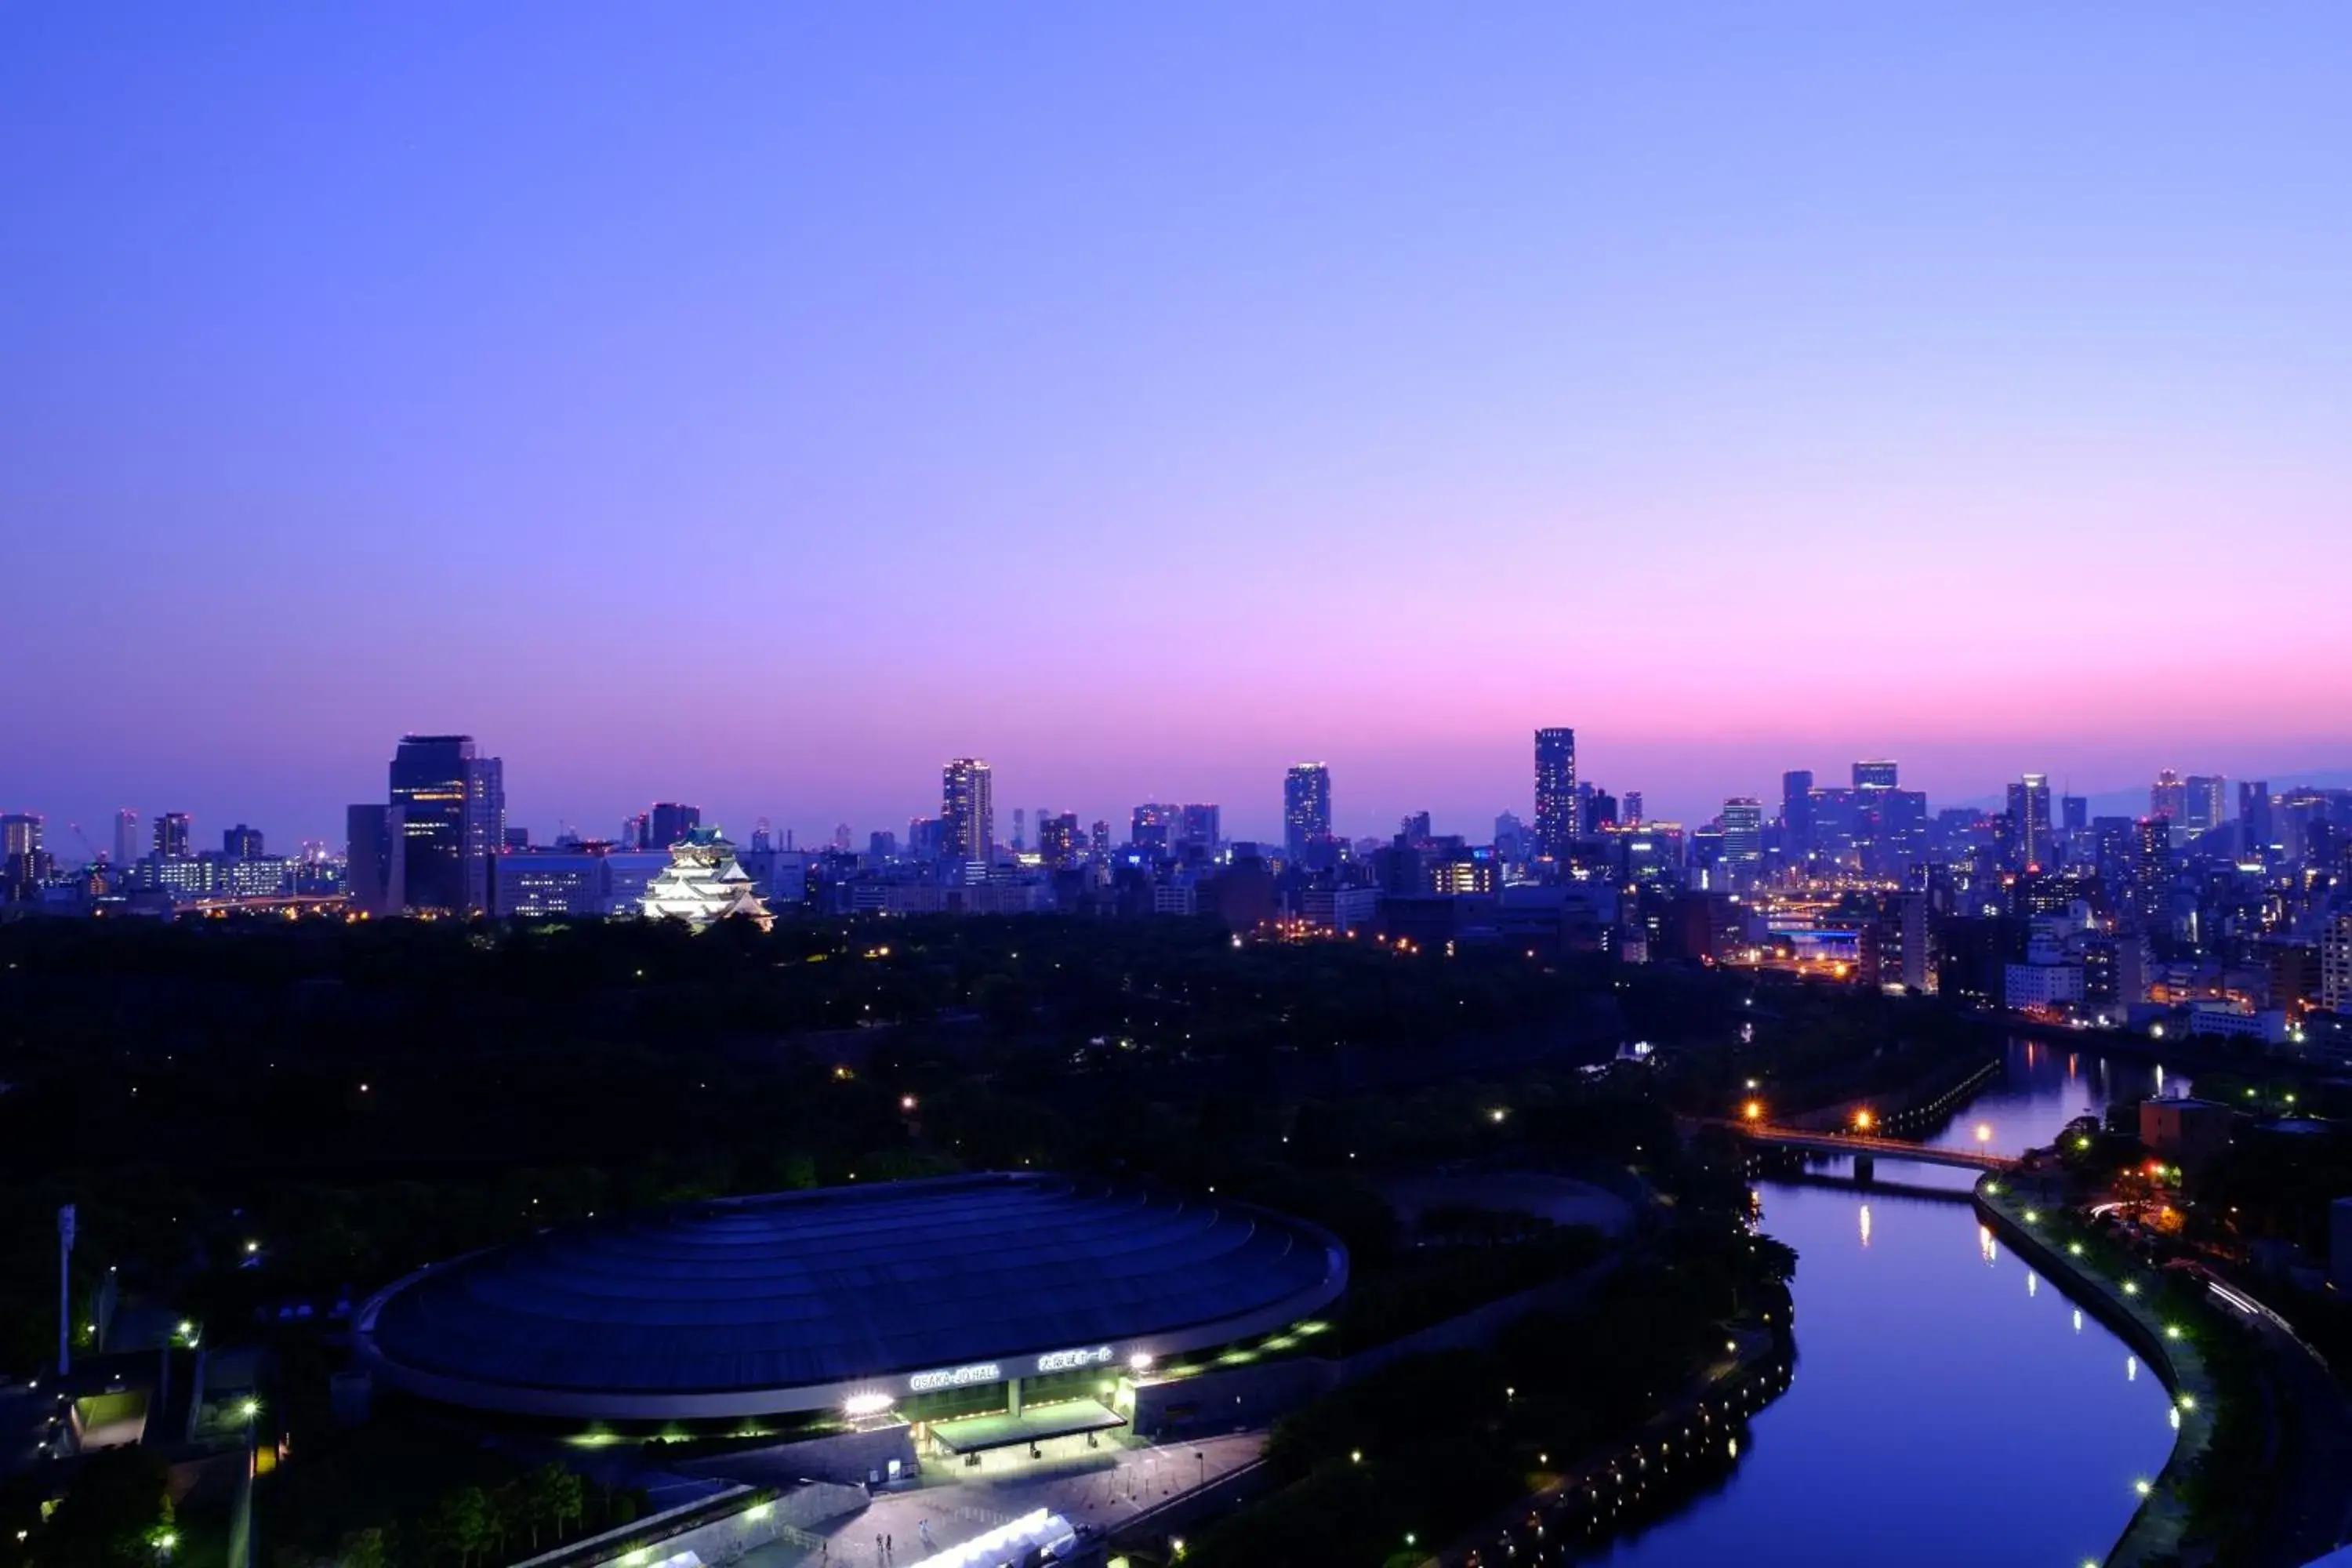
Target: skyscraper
(20,834)
(2207,799)
(1200,826)
(967,811)
(1058,844)
(241,843)
(171,831)
(1632,816)
(2256,830)
(669,822)
(453,811)
(1556,806)
(126,837)
(2029,818)
(2075,813)
(1875,775)
(374,860)
(1152,826)
(2151,872)
(1797,808)
(1743,840)
(2169,797)
(1305,808)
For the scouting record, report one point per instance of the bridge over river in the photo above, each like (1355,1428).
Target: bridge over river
(1861,1146)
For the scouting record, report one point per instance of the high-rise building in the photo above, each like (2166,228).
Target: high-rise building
(453,811)
(2336,966)
(1058,845)
(2075,813)
(1413,827)
(1797,808)
(967,811)
(374,860)
(1510,839)
(2029,819)
(1098,842)
(1875,775)
(669,822)
(20,834)
(1632,816)
(1153,827)
(2152,864)
(1020,829)
(241,843)
(2256,828)
(171,831)
(1743,840)
(126,837)
(1556,804)
(2168,798)
(1305,808)
(2207,802)
(1200,827)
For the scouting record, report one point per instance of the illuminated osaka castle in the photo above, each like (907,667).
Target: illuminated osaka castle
(703,883)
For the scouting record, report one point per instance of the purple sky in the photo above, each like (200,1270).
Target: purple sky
(756,404)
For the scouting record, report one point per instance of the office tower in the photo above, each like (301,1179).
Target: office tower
(1510,839)
(764,837)
(1875,775)
(485,827)
(1200,826)
(968,811)
(841,837)
(1413,828)
(634,831)
(241,843)
(1797,808)
(1153,827)
(514,839)
(1058,845)
(453,811)
(1305,808)
(171,831)
(1020,829)
(1556,821)
(2256,829)
(669,822)
(2077,811)
(374,861)
(126,837)
(1743,840)
(1098,842)
(2206,800)
(2168,798)
(1632,816)
(2028,817)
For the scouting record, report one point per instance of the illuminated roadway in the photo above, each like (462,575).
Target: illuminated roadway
(1861,1143)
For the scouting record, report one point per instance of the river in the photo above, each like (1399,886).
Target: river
(1949,1406)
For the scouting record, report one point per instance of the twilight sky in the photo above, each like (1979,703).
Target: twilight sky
(757,403)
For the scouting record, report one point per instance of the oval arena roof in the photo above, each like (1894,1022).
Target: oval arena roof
(797,1300)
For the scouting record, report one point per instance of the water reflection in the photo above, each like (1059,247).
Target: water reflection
(1914,1320)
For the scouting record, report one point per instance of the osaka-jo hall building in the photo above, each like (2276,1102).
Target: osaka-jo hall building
(917,1301)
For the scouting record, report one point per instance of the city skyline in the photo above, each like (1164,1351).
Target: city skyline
(1248,813)
(1426,382)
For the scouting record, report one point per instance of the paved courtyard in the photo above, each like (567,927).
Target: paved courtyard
(1099,1487)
